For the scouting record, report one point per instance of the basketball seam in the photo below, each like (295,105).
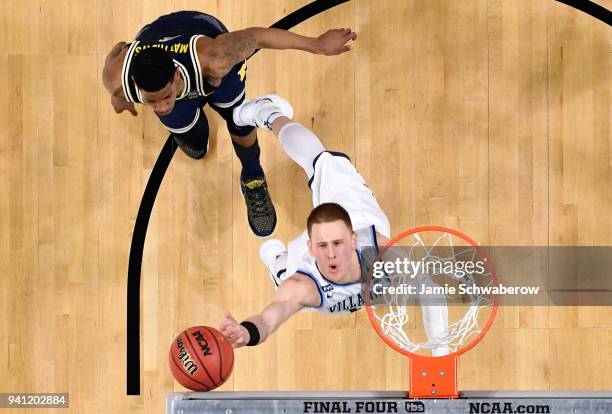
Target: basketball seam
(220,355)
(185,374)
(199,359)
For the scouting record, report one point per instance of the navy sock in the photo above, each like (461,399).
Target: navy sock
(249,158)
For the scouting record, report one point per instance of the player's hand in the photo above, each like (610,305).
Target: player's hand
(121,105)
(235,333)
(334,42)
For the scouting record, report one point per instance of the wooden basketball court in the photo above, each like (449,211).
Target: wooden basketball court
(488,116)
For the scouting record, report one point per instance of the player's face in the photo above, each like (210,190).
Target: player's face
(163,100)
(333,244)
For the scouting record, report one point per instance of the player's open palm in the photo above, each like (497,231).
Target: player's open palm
(334,41)
(235,333)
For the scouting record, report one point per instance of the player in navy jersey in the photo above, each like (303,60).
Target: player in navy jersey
(182,61)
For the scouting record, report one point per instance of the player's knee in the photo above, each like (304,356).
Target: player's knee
(194,142)
(227,115)
(240,131)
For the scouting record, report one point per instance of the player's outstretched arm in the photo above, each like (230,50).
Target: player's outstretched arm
(332,42)
(225,51)
(292,295)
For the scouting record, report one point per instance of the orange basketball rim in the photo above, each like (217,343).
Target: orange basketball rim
(433,376)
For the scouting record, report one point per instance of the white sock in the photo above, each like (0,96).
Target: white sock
(301,145)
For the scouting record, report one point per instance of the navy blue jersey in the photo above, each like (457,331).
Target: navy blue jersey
(177,33)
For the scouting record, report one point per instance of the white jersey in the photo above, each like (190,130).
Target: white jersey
(336,180)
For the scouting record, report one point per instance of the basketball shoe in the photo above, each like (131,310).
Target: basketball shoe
(273,254)
(261,214)
(262,111)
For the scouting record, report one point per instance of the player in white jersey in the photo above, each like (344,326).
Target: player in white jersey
(324,268)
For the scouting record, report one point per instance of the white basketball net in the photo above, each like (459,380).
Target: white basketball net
(391,310)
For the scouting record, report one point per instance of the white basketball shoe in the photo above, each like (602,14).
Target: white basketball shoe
(262,111)
(273,254)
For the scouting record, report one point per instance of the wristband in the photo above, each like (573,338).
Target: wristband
(253,332)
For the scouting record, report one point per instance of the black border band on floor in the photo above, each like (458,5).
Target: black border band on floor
(146,206)
(135,265)
(590,8)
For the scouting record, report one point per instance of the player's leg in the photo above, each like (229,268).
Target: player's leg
(435,321)
(435,316)
(274,113)
(195,142)
(246,145)
(332,177)
(189,127)
(261,214)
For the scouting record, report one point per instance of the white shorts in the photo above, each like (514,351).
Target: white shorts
(337,181)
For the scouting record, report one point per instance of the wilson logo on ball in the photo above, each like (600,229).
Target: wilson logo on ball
(188,363)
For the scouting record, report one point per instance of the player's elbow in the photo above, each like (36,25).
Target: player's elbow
(256,37)
(237,46)
(218,69)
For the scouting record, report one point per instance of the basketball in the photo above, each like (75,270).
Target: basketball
(201,358)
